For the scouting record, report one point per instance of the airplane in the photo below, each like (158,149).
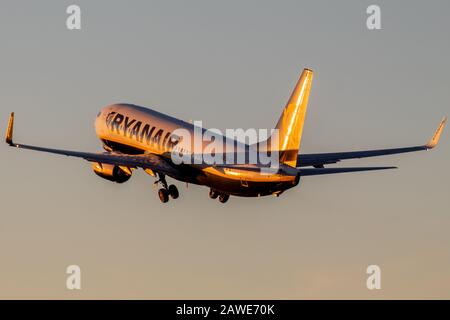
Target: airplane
(135,137)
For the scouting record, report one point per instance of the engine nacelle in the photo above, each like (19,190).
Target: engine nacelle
(112,172)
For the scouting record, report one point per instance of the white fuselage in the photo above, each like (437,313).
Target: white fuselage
(133,129)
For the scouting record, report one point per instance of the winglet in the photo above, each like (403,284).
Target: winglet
(9,131)
(435,139)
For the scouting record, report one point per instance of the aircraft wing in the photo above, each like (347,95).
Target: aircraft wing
(320,159)
(319,171)
(145,161)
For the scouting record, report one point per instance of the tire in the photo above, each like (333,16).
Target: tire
(224,198)
(163,195)
(213,194)
(173,191)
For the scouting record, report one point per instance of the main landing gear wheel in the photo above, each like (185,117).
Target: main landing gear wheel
(224,198)
(173,191)
(166,191)
(213,194)
(163,195)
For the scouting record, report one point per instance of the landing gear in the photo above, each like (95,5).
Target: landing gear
(223,198)
(163,195)
(213,194)
(173,191)
(166,190)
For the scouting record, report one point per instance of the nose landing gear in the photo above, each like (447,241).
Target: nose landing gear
(166,191)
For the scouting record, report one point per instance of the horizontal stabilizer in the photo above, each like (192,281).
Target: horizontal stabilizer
(317,171)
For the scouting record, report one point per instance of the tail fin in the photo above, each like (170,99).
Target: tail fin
(290,125)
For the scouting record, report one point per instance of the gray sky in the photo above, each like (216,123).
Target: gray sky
(230,64)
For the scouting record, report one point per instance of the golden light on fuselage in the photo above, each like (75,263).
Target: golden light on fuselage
(232,172)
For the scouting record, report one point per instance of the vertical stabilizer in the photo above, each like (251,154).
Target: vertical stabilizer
(290,125)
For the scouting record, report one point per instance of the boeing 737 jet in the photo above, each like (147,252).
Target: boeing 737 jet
(136,137)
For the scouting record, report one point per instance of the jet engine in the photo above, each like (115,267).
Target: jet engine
(112,172)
